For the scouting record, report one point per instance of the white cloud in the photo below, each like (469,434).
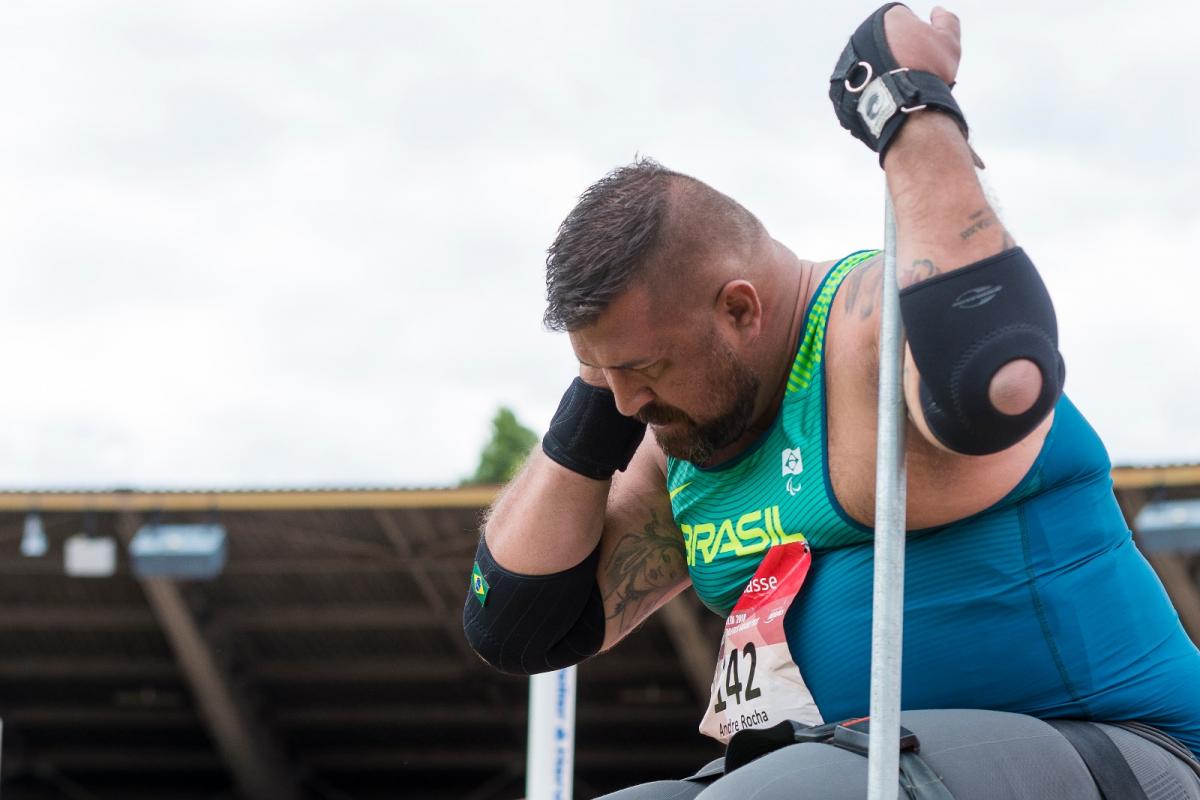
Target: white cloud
(302,242)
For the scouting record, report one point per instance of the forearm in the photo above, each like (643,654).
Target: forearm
(943,223)
(548,518)
(534,604)
(943,219)
(540,552)
(980,325)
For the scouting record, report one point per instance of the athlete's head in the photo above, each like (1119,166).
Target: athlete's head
(730,394)
(653,275)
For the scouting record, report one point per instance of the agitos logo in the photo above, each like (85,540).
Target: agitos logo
(742,536)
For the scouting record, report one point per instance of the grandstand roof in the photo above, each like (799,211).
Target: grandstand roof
(327,660)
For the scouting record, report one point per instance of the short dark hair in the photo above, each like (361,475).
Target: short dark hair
(618,226)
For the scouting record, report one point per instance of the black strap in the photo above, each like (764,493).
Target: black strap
(747,745)
(917,778)
(919,781)
(1162,739)
(1109,769)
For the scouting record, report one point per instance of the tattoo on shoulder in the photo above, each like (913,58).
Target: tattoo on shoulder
(644,565)
(862,289)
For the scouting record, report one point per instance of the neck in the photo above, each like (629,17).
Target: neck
(784,319)
(780,353)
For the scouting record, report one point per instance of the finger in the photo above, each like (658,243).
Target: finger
(943,20)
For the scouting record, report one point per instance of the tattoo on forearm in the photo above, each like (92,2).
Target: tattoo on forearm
(644,565)
(921,269)
(980,220)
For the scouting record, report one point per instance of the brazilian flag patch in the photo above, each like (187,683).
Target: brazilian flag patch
(479,585)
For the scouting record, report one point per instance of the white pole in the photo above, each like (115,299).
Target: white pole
(550,756)
(887,615)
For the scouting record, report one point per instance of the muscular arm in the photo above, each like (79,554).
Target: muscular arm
(642,558)
(547,519)
(943,219)
(550,518)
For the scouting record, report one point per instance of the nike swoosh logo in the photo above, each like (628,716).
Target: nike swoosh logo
(679,489)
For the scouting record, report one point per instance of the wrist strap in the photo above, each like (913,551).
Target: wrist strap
(873,95)
(589,435)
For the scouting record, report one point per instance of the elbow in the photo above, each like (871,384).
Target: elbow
(985,340)
(1016,387)
(526,624)
(537,649)
(988,416)
(493,651)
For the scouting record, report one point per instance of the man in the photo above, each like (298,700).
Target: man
(756,373)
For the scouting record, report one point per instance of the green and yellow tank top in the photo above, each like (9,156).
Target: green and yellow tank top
(776,491)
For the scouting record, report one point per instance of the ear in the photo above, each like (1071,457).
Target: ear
(739,307)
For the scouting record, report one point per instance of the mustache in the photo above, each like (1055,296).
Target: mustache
(655,414)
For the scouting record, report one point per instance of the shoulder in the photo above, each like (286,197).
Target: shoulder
(862,288)
(853,282)
(854,309)
(650,450)
(845,295)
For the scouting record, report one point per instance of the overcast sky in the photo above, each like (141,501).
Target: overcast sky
(299,243)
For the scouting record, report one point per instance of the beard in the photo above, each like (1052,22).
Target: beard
(733,389)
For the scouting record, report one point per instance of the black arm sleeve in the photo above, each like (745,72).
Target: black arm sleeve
(524,624)
(962,327)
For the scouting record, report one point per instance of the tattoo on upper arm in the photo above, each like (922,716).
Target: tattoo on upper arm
(863,289)
(644,565)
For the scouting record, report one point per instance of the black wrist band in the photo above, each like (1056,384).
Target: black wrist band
(589,435)
(873,95)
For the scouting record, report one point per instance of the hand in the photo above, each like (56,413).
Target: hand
(935,47)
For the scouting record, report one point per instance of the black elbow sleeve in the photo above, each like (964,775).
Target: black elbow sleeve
(525,624)
(962,327)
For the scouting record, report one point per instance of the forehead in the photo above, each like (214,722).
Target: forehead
(632,331)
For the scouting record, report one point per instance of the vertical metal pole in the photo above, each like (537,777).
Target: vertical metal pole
(550,749)
(887,616)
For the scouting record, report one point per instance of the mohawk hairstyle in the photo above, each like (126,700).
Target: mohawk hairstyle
(612,231)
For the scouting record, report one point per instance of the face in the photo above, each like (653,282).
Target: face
(692,389)
(660,570)
(731,389)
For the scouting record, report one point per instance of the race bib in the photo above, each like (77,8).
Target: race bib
(757,684)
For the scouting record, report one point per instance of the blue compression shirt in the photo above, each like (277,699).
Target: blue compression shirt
(1039,605)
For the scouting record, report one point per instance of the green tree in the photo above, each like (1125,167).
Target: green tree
(506,451)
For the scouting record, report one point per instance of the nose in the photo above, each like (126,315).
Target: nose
(629,390)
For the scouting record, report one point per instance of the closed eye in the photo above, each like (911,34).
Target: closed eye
(651,371)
